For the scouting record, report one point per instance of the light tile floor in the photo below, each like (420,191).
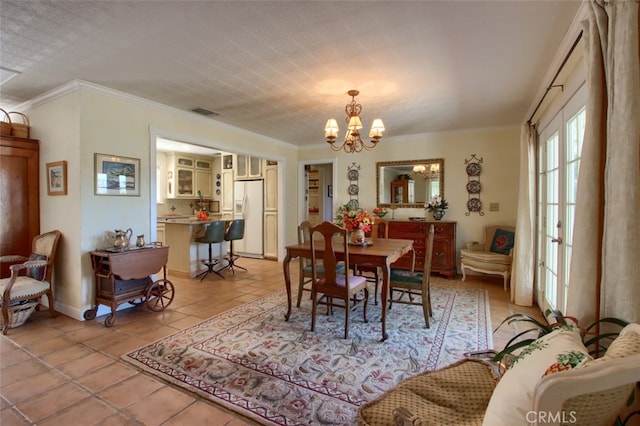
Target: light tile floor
(62,371)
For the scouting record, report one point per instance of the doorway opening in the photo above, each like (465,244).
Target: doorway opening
(317,180)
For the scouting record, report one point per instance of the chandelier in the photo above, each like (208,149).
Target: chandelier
(352,140)
(427,172)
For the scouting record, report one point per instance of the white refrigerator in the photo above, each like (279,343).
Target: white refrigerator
(249,205)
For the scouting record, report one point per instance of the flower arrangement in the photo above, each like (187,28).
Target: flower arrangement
(380,211)
(354,219)
(436,204)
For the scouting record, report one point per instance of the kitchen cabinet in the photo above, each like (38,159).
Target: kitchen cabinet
(188,175)
(248,167)
(160,233)
(271,210)
(443,260)
(204,177)
(227,191)
(180,176)
(19,196)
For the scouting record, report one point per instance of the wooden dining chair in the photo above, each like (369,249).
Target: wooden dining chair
(414,283)
(306,274)
(331,285)
(373,273)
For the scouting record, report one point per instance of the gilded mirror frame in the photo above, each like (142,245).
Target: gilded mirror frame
(398,166)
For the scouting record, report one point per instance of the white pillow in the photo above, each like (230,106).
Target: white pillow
(512,398)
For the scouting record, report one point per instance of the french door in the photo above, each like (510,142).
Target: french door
(559,150)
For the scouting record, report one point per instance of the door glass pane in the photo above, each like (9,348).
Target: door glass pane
(574,139)
(551,219)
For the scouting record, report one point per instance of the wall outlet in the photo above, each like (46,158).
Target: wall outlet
(494,207)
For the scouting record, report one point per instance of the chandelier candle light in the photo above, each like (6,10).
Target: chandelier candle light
(352,140)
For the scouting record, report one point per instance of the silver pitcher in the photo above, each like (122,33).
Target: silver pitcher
(121,238)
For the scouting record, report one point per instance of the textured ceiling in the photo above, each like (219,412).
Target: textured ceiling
(281,68)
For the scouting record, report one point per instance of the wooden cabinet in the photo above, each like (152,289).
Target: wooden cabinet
(180,176)
(271,211)
(227,192)
(204,177)
(444,245)
(19,196)
(188,175)
(248,167)
(403,191)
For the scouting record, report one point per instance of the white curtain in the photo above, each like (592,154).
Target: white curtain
(605,264)
(522,273)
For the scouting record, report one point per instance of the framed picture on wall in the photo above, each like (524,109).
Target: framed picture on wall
(57,178)
(115,175)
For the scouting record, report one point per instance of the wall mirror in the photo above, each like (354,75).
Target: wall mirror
(409,183)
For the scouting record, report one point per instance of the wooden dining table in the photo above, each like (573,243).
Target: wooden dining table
(380,252)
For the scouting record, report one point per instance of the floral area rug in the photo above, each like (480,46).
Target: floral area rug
(280,373)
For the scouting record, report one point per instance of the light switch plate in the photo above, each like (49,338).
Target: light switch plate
(494,207)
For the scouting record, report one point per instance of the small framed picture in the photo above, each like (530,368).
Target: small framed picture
(57,178)
(117,175)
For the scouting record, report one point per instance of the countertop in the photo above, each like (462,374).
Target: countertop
(188,220)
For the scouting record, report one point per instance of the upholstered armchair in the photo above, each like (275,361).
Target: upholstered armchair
(493,256)
(30,279)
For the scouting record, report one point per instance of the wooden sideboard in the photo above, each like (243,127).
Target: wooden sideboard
(444,245)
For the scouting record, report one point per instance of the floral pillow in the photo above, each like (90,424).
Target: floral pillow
(562,349)
(503,241)
(39,272)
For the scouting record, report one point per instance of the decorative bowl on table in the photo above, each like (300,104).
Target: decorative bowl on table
(380,211)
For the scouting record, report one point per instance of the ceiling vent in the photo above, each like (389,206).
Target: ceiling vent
(203,111)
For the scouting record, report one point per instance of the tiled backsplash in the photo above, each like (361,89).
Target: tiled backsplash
(182,207)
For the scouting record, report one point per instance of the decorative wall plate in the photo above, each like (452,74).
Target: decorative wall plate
(218,183)
(474,205)
(217,192)
(473,187)
(473,169)
(353,174)
(218,176)
(353,189)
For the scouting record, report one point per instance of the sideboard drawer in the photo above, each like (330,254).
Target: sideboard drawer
(443,260)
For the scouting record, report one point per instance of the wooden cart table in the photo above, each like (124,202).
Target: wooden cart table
(124,276)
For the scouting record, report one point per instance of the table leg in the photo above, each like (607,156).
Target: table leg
(384,293)
(287,283)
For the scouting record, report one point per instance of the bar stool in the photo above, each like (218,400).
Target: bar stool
(235,231)
(215,234)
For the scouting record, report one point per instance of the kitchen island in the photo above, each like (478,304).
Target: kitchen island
(186,255)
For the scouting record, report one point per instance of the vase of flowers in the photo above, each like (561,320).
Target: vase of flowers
(357,222)
(437,206)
